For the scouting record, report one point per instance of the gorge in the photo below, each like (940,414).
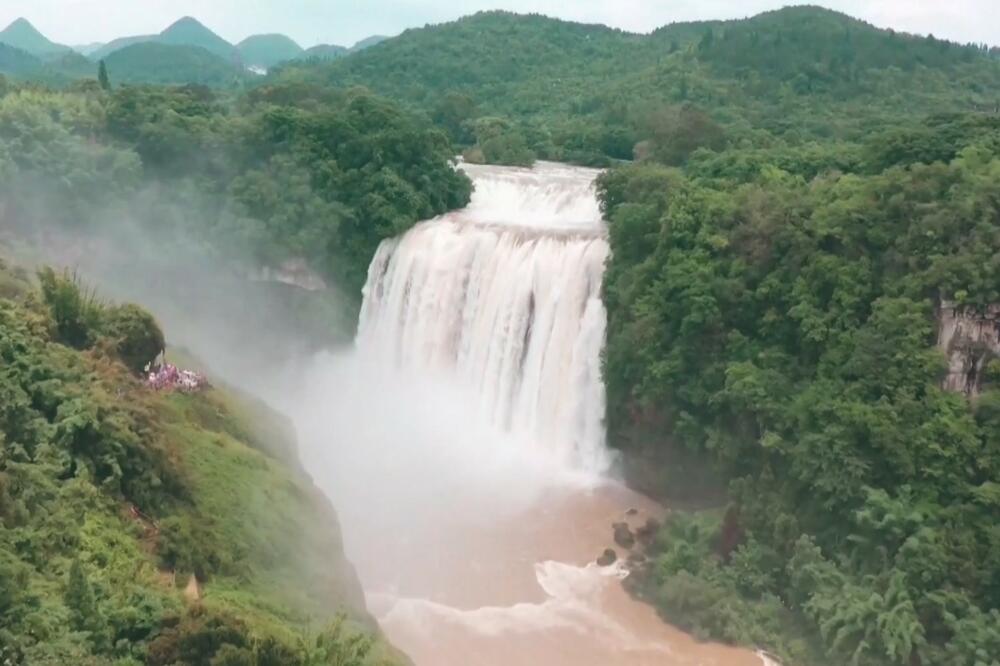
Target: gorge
(475,506)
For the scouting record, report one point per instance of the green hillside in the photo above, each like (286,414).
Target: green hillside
(58,69)
(186,31)
(22,35)
(589,93)
(20,64)
(113,495)
(363,44)
(167,64)
(105,50)
(268,50)
(325,51)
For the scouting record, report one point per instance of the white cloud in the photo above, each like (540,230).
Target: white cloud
(345,21)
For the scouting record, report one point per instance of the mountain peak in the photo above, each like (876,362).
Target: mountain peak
(189,31)
(187,20)
(21,26)
(267,50)
(23,35)
(20,22)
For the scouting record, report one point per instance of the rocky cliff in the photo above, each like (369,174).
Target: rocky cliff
(970,338)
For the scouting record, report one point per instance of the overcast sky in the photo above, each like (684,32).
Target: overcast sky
(346,21)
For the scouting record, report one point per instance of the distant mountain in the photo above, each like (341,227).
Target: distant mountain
(184,32)
(87,49)
(326,51)
(189,32)
(368,41)
(590,93)
(73,65)
(22,35)
(19,64)
(116,44)
(332,51)
(268,50)
(56,69)
(170,64)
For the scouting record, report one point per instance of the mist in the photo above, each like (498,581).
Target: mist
(472,528)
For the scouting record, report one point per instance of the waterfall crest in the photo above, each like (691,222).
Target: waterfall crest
(504,297)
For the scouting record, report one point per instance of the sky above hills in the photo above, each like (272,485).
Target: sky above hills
(346,21)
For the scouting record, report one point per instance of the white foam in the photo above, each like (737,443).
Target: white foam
(572,603)
(505,297)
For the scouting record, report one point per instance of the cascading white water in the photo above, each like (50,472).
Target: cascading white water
(453,436)
(504,296)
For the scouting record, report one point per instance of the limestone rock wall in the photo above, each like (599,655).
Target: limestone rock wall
(970,338)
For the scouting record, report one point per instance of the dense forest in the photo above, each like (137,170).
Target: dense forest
(780,323)
(520,87)
(283,172)
(792,201)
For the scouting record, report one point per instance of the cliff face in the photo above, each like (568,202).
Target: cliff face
(970,339)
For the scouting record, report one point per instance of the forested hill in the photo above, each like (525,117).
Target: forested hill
(588,92)
(283,173)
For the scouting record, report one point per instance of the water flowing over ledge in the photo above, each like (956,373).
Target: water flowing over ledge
(505,296)
(462,439)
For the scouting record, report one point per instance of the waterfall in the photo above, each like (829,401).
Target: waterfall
(504,298)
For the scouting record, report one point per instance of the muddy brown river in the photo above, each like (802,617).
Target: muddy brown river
(527,591)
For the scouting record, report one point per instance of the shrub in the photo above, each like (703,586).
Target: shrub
(75,310)
(183,548)
(136,336)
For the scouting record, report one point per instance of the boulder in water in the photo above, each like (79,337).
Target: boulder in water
(607,558)
(623,535)
(647,532)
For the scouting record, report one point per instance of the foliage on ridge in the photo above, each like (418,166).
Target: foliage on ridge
(587,93)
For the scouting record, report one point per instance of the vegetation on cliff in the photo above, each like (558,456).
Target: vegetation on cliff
(774,313)
(113,495)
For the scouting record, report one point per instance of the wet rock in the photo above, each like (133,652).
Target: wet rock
(607,558)
(635,561)
(647,532)
(623,535)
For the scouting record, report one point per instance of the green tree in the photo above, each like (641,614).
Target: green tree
(102,76)
(135,335)
(80,600)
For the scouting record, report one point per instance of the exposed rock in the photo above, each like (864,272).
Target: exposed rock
(192,592)
(294,272)
(607,558)
(623,535)
(632,512)
(635,561)
(970,338)
(647,532)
